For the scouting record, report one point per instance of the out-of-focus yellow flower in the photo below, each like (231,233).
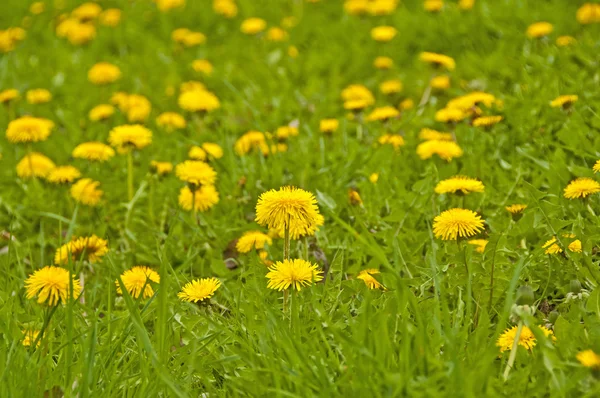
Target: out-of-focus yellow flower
(198,101)
(487,121)
(406,104)
(29,129)
(37,8)
(38,96)
(383,63)
(383,113)
(354,197)
(587,358)
(596,167)
(95,151)
(76,32)
(253,240)
(204,197)
(29,338)
(9,95)
(101,112)
(104,73)
(356,7)
(226,8)
(429,134)
(382,7)
(10,37)
(85,191)
(588,13)
(328,126)
(440,82)
(191,85)
(129,136)
(395,140)
(252,26)
(575,246)
(459,185)
(285,132)
(35,164)
(202,66)
(565,41)
(438,60)
(276,34)
(466,4)
(110,17)
(166,5)
(196,173)
(161,168)
(564,101)
(383,33)
(450,115)
(187,37)
(87,12)
(63,175)
(171,121)
(250,141)
(374,177)
(213,150)
(391,86)
(293,51)
(137,107)
(433,5)
(289,22)
(539,29)
(446,150)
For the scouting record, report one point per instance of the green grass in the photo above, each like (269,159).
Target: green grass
(433,332)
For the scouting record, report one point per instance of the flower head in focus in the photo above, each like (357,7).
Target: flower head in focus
(52,285)
(137,280)
(457,223)
(199,290)
(295,273)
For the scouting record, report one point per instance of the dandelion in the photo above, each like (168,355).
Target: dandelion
(86,191)
(250,141)
(358,92)
(137,279)
(295,273)
(226,8)
(373,178)
(565,41)
(198,101)
(539,29)
(450,115)
(38,96)
(434,135)
(438,60)
(87,12)
(406,104)
(130,136)
(596,167)
(51,285)
(479,243)
(253,240)
(526,338)
(383,63)
(588,13)
(329,126)
(446,150)
(63,175)
(581,188)
(457,223)
(589,358)
(564,101)
(137,108)
(433,5)
(166,5)
(199,290)
(354,197)
(390,87)
(204,198)
(459,185)
(187,37)
(552,246)
(101,112)
(171,121)
(29,337)
(104,73)
(366,276)
(110,17)
(440,82)
(197,153)
(575,246)
(196,173)
(287,207)
(395,140)
(29,129)
(466,4)
(383,33)
(213,150)
(35,165)
(383,114)
(487,121)
(95,151)
(161,168)
(284,132)
(252,26)
(202,66)
(293,51)
(9,95)
(92,247)
(276,34)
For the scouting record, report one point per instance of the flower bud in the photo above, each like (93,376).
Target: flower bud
(525,296)
(575,286)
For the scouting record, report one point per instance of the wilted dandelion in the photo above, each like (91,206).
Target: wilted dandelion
(366,276)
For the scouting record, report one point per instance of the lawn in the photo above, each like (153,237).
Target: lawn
(297,198)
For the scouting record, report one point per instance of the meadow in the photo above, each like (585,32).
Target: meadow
(297,198)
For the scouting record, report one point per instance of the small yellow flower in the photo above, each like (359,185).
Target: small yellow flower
(87,12)
(28,129)
(438,60)
(565,41)
(29,337)
(35,165)
(430,135)
(9,95)
(196,173)
(295,273)
(198,101)
(252,26)
(137,279)
(171,121)
(395,140)
(213,150)
(588,13)
(596,167)
(38,96)
(486,121)
(284,132)
(454,223)
(37,8)
(86,192)
(130,136)
(358,92)
(329,126)
(166,5)
(52,285)
(250,141)
(450,115)
(96,151)
(390,87)
(440,82)
(466,4)
(110,17)
(480,243)
(406,104)
(575,246)
(383,33)
(564,101)
(202,66)
(589,358)
(253,240)
(539,29)
(581,188)
(354,197)
(374,177)
(92,247)
(383,113)
(366,276)
(289,206)
(199,290)
(63,175)
(204,198)
(104,73)
(101,112)
(526,338)
(552,246)
(516,208)
(276,34)
(446,150)
(226,8)
(433,5)
(293,51)
(459,184)
(383,62)
(161,168)
(187,37)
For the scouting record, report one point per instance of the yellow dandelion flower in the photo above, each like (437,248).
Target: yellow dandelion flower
(138,108)
(596,167)
(104,73)
(539,29)
(203,66)
(382,114)
(289,207)
(565,41)
(406,104)
(276,34)
(438,60)
(329,126)
(37,8)
(250,141)
(588,13)
(459,185)
(354,197)
(253,240)
(196,173)
(446,150)
(188,38)
(480,243)
(374,177)
(575,246)
(440,82)
(552,246)
(137,279)
(589,358)
(87,11)
(199,290)
(213,150)
(110,17)
(526,339)
(395,140)
(63,175)
(252,26)
(91,248)
(356,7)
(581,188)
(358,92)
(38,96)
(8,95)
(226,8)
(285,132)
(197,153)
(471,100)
(29,337)
(450,115)
(171,121)
(383,33)
(516,208)
(29,129)
(390,87)
(204,197)
(457,223)
(35,165)
(293,51)
(295,273)
(383,62)
(198,101)
(161,168)
(356,105)
(101,112)
(166,5)
(564,101)
(466,4)
(130,136)
(433,5)
(86,191)
(96,151)
(486,121)
(366,276)
(433,135)
(51,285)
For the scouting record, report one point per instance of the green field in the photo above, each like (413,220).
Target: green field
(413,282)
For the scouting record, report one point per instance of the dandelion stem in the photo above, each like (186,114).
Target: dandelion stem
(194,208)
(151,200)
(286,295)
(130,175)
(286,242)
(513,351)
